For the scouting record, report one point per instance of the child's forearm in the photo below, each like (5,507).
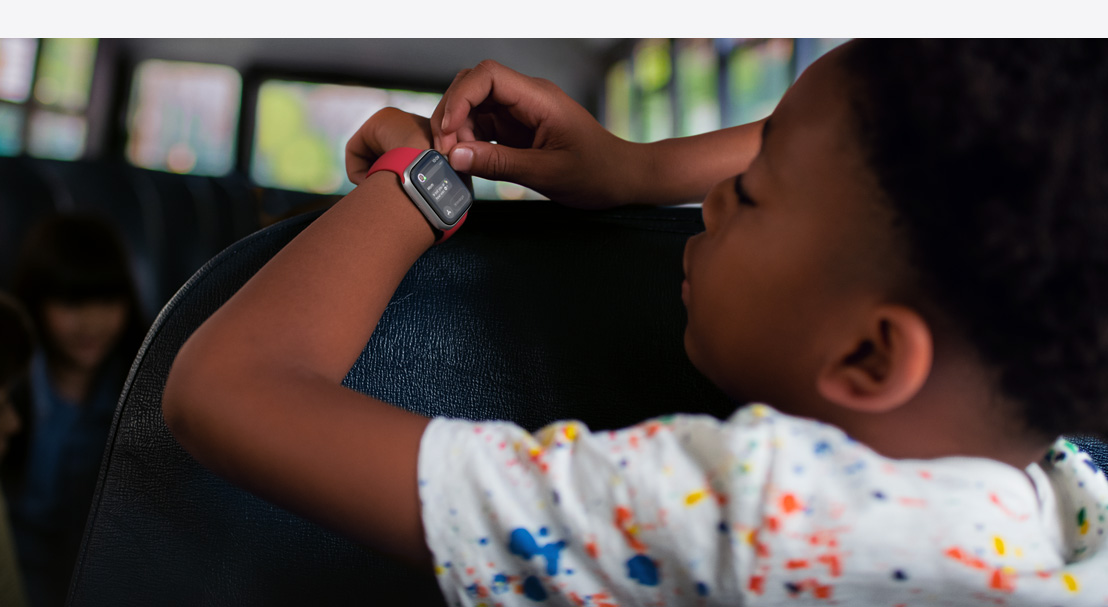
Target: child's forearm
(255,393)
(685,169)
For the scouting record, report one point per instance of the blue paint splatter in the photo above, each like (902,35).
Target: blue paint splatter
(523,544)
(723,528)
(856,466)
(532,589)
(702,589)
(483,541)
(899,575)
(823,448)
(472,590)
(500,584)
(643,570)
(879,495)
(1090,463)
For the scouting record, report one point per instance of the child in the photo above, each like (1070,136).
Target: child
(908,268)
(15,353)
(74,279)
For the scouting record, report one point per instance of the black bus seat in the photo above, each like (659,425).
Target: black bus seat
(25,199)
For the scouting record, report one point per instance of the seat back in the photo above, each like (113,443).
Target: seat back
(532,313)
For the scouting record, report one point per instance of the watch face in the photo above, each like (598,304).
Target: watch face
(440,186)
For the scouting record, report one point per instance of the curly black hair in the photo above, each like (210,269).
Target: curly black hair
(993,154)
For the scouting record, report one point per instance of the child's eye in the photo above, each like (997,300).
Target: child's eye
(741,194)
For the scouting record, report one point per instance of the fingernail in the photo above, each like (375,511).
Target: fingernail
(461,159)
(445,119)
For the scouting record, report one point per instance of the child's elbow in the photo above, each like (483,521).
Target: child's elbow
(184,396)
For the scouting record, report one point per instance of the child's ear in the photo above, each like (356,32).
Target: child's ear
(884,366)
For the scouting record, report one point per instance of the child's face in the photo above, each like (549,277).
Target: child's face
(84,333)
(774,277)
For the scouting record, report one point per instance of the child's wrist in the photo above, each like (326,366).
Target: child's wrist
(396,209)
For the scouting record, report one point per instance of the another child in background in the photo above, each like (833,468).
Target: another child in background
(16,345)
(73,277)
(909,268)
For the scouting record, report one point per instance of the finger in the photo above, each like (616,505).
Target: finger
(444,141)
(358,155)
(526,98)
(503,163)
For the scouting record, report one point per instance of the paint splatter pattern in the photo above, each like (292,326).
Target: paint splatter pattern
(761,509)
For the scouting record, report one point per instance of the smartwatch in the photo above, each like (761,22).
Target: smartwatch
(437,191)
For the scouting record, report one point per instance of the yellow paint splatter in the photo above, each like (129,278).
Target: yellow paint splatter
(571,432)
(439,570)
(1018,552)
(694,497)
(1070,582)
(998,542)
(759,410)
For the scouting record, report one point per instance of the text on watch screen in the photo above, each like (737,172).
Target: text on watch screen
(441,187)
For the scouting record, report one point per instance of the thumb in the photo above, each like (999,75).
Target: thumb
(494,162)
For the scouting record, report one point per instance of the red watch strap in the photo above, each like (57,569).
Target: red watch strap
(395,160)
(398,160)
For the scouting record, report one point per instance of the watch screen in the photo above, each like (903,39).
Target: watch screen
(441,187)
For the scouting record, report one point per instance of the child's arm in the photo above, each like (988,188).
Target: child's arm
(550,143)
(255,393)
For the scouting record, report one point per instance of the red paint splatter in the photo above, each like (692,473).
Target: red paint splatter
(796,564)
(924,474)
(626,523)
(771,523)
(634,441)
(994,498)
(760,549)
(833,562)
(964,558)
(652,429)
(913,502)
(592,550)
(1002,581)
(789,504)
(757,584)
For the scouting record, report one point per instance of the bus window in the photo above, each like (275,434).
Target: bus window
(183,117)
(617,99)
(758,73)
(58,126)
(301,130)
(697,80)
(653,69)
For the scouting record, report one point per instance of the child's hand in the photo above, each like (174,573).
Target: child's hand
(547,141)
(387,129)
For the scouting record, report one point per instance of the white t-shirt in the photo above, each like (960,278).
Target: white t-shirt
(761,509)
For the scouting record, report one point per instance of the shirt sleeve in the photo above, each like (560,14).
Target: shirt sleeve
(635,516)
